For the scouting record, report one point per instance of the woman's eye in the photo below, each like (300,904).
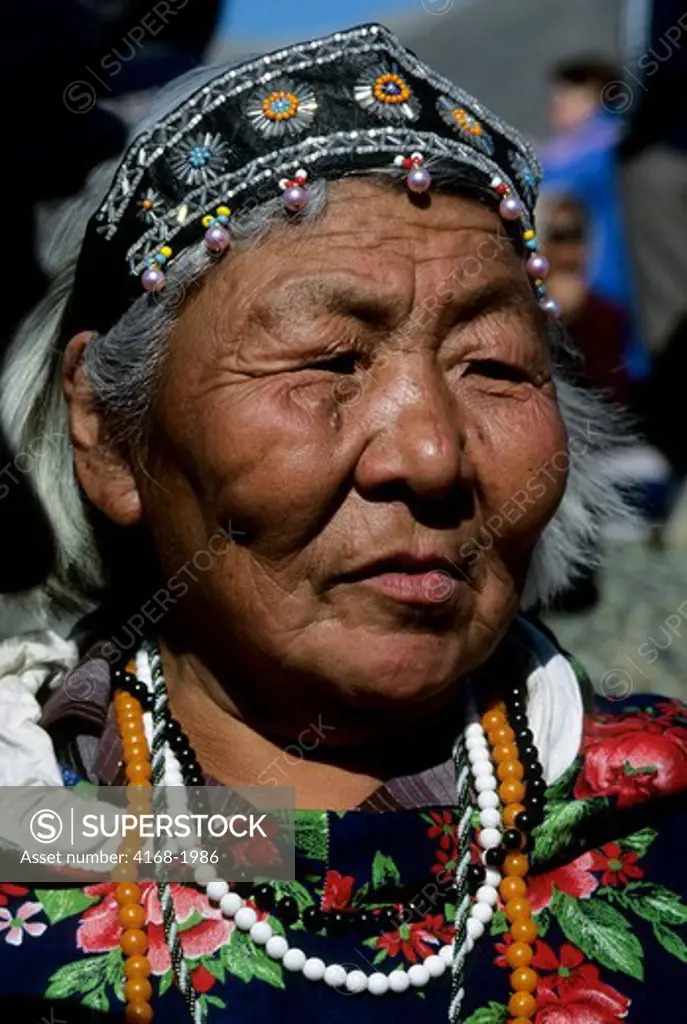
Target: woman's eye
(496,370)
(346,362)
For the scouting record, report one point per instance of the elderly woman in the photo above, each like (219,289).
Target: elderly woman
(315,459)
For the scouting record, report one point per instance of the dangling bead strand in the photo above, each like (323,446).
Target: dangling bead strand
(133,941)
(418,178)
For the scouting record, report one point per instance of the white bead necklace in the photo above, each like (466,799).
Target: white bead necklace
(335,975)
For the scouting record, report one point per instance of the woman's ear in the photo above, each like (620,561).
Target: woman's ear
(102,470)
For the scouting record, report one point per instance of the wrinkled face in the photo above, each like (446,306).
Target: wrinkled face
(367,398)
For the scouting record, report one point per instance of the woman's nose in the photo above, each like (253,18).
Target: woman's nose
(417,434)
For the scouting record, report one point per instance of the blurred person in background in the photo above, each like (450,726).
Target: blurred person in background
(581,161)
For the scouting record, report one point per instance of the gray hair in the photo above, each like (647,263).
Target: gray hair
(123,367)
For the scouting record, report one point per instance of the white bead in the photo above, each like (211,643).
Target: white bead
(487,799)
(399,981)
(474,928)
(313,969)
(492,878)
(446,954)
(335,976)
(487,894)
(435,965)
(483,767)
(261,933)
(378,984)
(230,903)
(276,947)
(474,729)
(469,944)
(489,818)
(356,982)
(245,918)
(476,743)
(294,959)
(216,889)
(489,838)
(485,782)
(418,975)
(482,912)
(204,874)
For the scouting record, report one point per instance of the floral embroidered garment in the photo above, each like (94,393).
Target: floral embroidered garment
(608,891)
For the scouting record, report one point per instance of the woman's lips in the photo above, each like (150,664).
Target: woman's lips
(428,588)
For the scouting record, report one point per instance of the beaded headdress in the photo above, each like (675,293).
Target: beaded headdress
(350,102)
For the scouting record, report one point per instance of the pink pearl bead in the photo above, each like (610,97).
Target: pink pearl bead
(296,198)
(550,306)
(153,279)
(510,208)
(419,179)
(537,266)
(217,238)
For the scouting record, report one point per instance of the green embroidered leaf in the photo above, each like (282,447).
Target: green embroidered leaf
(495,1013)
(562,787)
(655,903)
(61,903)
(114,972)
(559,826)
(215,1001)
(267,969)
(543,920)
(295,889)
(194,918)
(384,871)
(672,942)
(361,894)
(449,912)
(600,931)
(312,834)
(499,923)
(245,960)
(379,956)
(215,967)
(166,981)
(77,978)
(97,1000)
(639,841)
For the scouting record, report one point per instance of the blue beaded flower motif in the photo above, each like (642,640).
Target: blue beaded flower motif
(524,172)
(282,109)
(465,124)
(199,160)
(383,91)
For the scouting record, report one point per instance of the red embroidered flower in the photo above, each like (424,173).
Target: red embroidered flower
(202,979)
(338,890)
(6,889)
(99,928)
(419,940)
(445,866)
(445,828)
(573,993)
(634,758)
(618,865)
(574,879)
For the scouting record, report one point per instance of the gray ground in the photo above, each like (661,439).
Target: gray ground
(635,640)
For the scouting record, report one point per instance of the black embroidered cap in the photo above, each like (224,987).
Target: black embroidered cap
(352,101)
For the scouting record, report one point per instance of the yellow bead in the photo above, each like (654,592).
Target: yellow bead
(505,752)
(501,734)
(522,1004)
(510,813)
(136,770)
(136,966)
(126,893)
(207,220)
(524,930)
(132,915)
(223,211)
(493,719)
(519,954)
(510,770)
(511,791)
(511,887)
(132,941)
(524,979)
(165,251)
(528,235)
(516,864)
(138,990)
(517,908)
(138,1013)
